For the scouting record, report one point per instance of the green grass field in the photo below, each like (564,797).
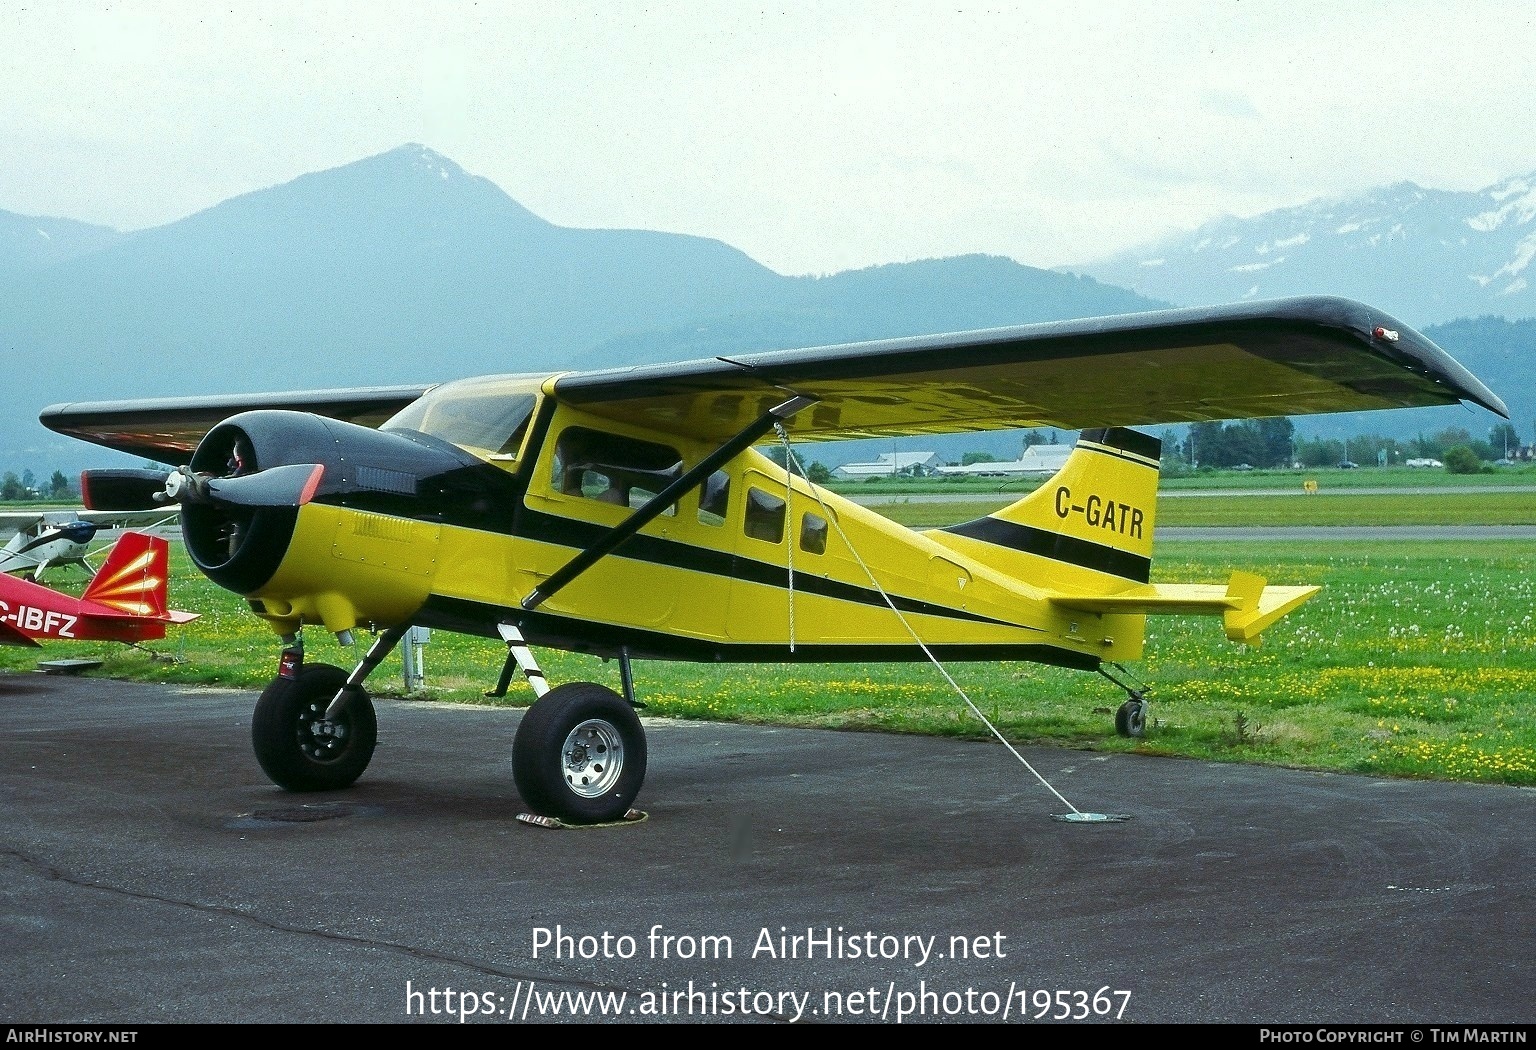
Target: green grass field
(1327,478)
(1416,660)
(1323,508)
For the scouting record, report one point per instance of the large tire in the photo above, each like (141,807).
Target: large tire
(579,754)
(297,747)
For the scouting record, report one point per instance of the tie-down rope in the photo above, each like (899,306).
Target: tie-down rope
(791,461)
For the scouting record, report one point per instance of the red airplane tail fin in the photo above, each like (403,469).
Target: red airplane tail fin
(133,578)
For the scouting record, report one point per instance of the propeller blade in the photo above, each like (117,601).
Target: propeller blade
(290,486)
(123,488)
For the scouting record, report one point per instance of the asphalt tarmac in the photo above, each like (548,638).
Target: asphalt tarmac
(152,874)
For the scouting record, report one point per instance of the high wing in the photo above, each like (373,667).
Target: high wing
(22,520)
(127,519)
(31,520)
(1280,357)
(168,429)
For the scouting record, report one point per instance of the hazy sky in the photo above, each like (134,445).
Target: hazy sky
(814,136)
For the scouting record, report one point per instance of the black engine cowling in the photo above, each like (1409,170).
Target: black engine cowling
(250,485)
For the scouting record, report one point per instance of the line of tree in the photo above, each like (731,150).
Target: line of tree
(815,471)
(1273,443)
(24,486)
(1254,442)
(1502,443)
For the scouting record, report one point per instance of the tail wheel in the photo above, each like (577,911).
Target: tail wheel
(1131,719)
(579,754)
(298,747)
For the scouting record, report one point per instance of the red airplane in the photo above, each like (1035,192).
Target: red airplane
(125,602)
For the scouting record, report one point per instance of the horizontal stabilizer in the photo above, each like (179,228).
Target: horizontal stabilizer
(1246,605)
(132,612)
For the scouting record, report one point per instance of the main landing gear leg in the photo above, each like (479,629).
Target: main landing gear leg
(627,679)
(520,657)
(579,754)
(1131,719)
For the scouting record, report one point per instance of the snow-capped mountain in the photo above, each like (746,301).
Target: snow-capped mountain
(1425,255)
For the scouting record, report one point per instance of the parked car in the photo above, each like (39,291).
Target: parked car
(1347,465)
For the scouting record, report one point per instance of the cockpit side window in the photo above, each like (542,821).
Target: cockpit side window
(613,469)
(813,533)
(485,417)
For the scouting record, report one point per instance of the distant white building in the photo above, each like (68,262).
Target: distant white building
(889,465)
(1041,460)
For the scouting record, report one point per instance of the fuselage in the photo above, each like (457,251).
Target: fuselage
(53,544)
(124,602)
(752,564)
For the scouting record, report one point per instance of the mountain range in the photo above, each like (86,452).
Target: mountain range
(1425,256)
(404,268)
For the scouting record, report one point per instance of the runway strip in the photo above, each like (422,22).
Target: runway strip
(1349,532)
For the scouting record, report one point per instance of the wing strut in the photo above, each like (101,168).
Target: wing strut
(691,479)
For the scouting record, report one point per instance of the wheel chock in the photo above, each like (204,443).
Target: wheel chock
(634,816)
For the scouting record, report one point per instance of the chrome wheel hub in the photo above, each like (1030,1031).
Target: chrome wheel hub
(592,758)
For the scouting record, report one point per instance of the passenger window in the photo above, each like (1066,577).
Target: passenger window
(715,499)
(764,517)
(613,469)
(813,534)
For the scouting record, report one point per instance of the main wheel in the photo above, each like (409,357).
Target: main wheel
(297,746)
(579,754)
(1131,719)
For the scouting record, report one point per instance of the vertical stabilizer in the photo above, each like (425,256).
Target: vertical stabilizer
(133,578)
(1088,528)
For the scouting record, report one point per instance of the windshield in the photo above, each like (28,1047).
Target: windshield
(485,416)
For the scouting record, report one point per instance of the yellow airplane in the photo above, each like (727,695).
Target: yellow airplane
(625,513)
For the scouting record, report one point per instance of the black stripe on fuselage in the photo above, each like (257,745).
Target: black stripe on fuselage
(1057,547)
(600,639)
(567,532)
(52,536)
